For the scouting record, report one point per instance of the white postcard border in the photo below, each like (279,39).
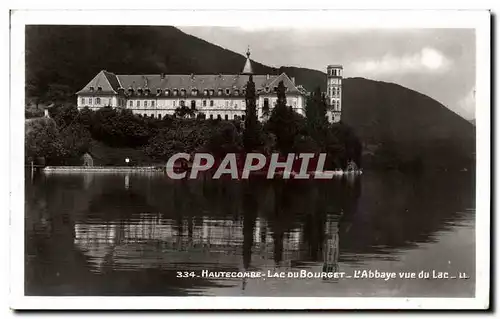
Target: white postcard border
(479,20)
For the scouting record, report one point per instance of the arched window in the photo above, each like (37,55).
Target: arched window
(219,117)
(211,116)
(145,115)
(226,117)
(159,116)
(193,104)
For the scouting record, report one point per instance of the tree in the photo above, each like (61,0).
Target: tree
(316,112)
(64,114)
(250,134)
(184,111)
(284,123)
(43,140)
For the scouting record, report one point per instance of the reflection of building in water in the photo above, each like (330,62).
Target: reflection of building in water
(149,239)
(331,244)
(127,181)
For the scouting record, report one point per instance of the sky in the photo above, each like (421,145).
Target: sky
(439,63)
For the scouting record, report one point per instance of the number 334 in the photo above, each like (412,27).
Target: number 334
(185,274)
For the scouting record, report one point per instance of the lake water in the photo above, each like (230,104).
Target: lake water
(131,234)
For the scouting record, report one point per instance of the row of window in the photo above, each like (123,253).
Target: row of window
(335,72)
(334,91)
(202,115)
(206,92)
(194,92)
(181,103)
(96,101)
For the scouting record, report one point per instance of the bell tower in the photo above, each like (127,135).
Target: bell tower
(334,92)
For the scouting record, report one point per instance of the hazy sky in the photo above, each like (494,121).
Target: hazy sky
(436,62)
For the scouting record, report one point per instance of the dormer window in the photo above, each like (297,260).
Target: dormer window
(211,92)
(259,91)
(228,92)
(219,92)
(158,91)
(91,89)
(130,91)
(167,92)
(236,92)
(99,89)
(194,92)
(244,92)
(267,89)
(176,92)
(183,92)
(148,91)
(139,91)
(205,92)
(275,89)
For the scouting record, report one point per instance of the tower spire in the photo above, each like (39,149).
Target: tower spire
(247,69)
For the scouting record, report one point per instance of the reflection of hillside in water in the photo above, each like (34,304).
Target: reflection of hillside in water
(146,223)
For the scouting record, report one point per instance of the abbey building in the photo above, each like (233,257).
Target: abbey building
(211,96)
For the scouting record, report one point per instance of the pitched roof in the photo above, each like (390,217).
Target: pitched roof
(110,82)
(104,80)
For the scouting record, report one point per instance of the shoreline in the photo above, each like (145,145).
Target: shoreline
(153,169)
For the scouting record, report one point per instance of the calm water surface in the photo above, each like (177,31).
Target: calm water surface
(129,234)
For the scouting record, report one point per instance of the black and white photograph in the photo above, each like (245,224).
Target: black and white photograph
(342,157)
